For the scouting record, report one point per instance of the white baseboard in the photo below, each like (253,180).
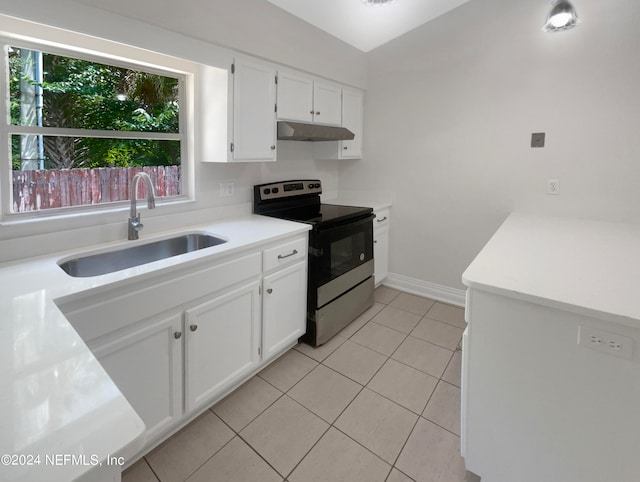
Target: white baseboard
(446,294)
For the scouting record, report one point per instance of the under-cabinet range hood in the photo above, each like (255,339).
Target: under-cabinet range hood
(298,131)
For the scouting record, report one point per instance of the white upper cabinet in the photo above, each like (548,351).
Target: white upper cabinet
(352,119)
(327,102)
(295,97)
(305,99)
(260,94)
(352,106)
(253,137)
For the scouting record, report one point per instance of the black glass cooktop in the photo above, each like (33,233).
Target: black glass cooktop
(323,214)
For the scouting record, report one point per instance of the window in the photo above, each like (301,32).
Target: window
(80,127)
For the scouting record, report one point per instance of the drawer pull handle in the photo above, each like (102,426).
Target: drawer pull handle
(270,290)
(381,220)
(292,253)
(177,335)
(193,327)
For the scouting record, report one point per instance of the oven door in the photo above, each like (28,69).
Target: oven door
(341,257)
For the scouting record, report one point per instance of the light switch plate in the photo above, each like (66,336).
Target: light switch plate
(537,139)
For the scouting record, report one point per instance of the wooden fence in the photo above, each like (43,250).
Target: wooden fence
(44,189)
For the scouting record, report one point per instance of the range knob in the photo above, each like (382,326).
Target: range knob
(267,191)
(275,190)
(310,185)
(317,185)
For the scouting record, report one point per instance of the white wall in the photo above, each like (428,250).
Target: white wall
(196,29)
(449,111)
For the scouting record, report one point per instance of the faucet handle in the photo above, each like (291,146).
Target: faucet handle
(134,226)
(135,223)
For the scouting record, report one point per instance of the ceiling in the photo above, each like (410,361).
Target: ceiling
(367,27)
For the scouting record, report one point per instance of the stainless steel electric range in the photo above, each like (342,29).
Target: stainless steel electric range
(340,274)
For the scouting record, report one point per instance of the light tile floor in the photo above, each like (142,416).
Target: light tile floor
(379,402)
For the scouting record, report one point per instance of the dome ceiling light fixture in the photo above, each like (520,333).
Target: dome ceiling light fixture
(561,17)
(377,3)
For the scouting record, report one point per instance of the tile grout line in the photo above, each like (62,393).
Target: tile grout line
(443,322)
(433,421)
(438,425)
(246,442)
(388,357)
(379,352)
(265,409)
(394,467)
(422,317)
(237,433)
(414,426)
(332,424)
(144,457)
(432,393)
(212,455)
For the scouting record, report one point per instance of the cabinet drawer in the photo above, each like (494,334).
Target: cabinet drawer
(284,254)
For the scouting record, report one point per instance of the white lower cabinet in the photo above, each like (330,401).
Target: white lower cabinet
(381,245)
(284,308)
(222,342)
(146,365)
(536,404)
(180,341)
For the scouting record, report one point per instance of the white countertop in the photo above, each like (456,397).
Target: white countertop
(55,398)
(588,267)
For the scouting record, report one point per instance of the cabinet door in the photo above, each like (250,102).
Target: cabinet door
(295,97)
(381,245)
(464,383)
(222,339)
(327,103)
(146,365)
(284,314)
(254,117)
(352,110)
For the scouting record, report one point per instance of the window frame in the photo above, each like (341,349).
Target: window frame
(185,120)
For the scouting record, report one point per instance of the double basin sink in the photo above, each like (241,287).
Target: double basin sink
(129,256)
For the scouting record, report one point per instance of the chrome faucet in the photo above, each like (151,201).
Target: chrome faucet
(134,217)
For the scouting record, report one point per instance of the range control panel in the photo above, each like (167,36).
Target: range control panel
(284,189)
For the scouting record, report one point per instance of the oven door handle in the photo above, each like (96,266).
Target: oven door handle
(349,224)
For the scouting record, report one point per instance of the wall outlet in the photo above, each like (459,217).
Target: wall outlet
(227,189)
(605,342)
(553,186)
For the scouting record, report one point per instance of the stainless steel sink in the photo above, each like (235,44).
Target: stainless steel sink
(127,257)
